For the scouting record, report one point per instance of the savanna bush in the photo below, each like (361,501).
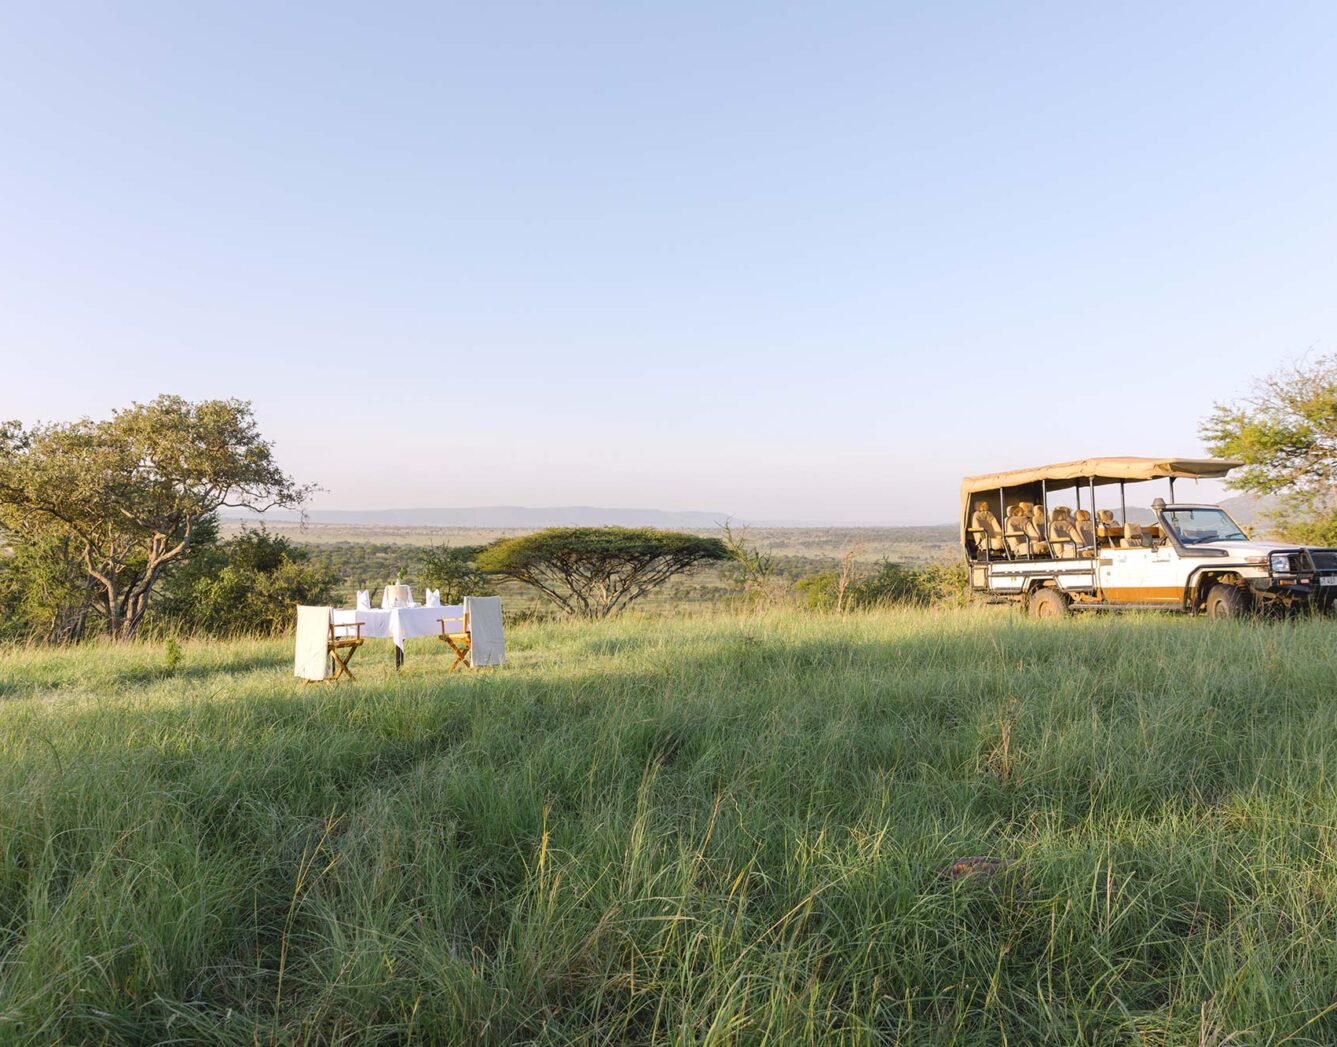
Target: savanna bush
(890,584)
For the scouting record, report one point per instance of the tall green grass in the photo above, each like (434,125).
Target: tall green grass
(714,830)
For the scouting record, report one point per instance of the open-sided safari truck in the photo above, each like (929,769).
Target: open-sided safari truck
(1039,536)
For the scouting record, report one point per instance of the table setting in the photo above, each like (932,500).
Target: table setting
(400,617)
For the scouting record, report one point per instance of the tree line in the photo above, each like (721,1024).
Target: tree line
(106,524)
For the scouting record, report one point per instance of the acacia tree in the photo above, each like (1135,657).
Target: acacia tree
(592,572)
(1285,433)
(127,495)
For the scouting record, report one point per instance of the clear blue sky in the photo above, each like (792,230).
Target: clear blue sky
(804,262)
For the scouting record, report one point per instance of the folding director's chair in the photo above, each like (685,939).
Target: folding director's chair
(324,648)
(342,648)
(455,635)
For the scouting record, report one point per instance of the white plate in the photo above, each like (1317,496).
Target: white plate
(1328,579)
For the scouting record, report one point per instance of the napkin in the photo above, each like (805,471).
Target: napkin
(433,598)
(364,599)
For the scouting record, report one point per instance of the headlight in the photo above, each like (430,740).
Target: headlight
(1280,563)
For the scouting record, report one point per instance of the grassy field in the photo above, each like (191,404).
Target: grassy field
(697,830)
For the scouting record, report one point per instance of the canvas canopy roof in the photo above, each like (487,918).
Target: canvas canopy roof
(1102,470)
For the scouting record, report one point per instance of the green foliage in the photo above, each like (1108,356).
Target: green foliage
(593,572)
(890,584)
(750,569)
(729,830)
(1285,433)
(172,655)
(451,568)
(124,496)
(45,593)
(247,585)
(818,590)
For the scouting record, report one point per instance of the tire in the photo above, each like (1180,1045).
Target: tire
(1048,603)
(1227,601)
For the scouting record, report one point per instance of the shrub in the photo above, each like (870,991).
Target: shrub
(246,585)
(452,569)
(890,584)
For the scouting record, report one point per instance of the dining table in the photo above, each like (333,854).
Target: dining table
(400,623)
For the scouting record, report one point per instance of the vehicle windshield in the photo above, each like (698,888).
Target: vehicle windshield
(1194,526)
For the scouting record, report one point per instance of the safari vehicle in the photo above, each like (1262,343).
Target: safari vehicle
(1023,546)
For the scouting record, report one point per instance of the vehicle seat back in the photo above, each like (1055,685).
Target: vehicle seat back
(1018,543)
(986,528)
(1107,528)
(1085,529)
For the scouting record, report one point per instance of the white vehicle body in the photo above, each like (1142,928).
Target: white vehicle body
(1171,566)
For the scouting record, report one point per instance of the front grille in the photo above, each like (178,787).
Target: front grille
(1324,559)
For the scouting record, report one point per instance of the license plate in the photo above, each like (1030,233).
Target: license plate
(1328,579)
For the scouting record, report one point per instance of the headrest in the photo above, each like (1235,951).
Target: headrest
(1015,510)
(1105,515)
(1082,514)
(1026,506)
(1062,512)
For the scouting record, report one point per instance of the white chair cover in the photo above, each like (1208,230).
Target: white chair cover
(487,643)
(311,660)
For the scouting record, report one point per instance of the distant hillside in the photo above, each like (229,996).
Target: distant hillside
(1247,509)
(509,516)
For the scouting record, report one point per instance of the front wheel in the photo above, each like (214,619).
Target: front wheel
(1227,601)
(1048,603)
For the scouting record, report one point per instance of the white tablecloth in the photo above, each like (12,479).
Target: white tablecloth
(401,622)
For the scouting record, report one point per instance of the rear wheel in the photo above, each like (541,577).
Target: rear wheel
(1048,603)
(1227,601)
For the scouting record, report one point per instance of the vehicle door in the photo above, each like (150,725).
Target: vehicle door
(1142,574)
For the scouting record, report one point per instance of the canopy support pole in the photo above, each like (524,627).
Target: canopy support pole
(1123,505)
(1095,539)
(1002,516)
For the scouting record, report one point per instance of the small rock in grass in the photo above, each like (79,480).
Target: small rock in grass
(977,865)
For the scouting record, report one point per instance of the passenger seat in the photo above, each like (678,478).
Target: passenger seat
(985,530)
(1107,528)
(1086,530)
(1018,543)
(1062,536)
(1036,529)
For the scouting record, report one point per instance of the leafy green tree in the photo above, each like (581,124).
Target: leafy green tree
(452,569)
(247,585)
(1285,433)
(125,495)
(593,572)
(44,592)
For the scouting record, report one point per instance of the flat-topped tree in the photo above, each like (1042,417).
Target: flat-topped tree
(129,493)
(591,572)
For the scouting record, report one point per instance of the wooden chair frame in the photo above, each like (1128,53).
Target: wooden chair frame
(460,642)
(339,644)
